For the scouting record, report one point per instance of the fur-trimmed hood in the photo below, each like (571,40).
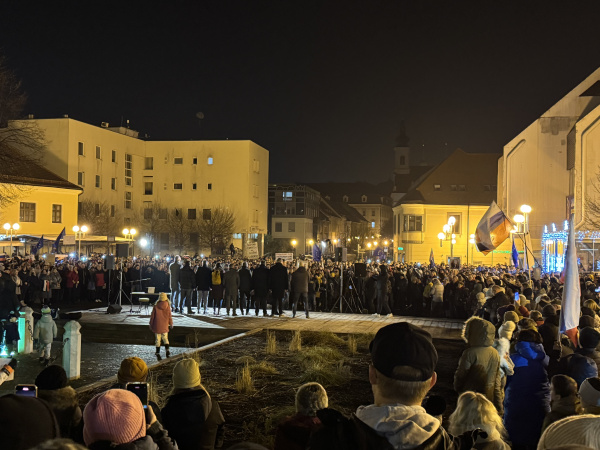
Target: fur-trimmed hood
(63,398)
(478,332)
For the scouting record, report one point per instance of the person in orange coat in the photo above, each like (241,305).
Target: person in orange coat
(161,322)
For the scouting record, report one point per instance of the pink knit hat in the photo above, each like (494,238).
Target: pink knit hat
(116,415)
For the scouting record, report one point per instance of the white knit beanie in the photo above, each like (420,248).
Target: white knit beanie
(578,430)
(507,329)
(186,374)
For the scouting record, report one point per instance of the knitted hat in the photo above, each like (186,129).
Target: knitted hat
(589,392)
(586,321)
(186,374)
(548,311)
(579,430)
(507,329)
(133,369)
(162,297)
(527,324)
(536,316)
(589,337)
(26,421)
(51,378)
(46,310)
(511,316)
(116,415)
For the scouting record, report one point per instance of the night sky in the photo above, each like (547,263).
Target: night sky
(323,85)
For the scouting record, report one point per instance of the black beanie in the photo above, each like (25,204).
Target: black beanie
(51,378)
(586,321)
(589,337)
(26,422)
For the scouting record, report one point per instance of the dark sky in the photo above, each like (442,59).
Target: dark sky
(323,85)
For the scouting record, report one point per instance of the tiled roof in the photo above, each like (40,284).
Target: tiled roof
(354,191)
(36,175)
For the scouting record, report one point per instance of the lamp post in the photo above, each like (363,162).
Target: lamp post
(472,242)
(129,234)
(10,230)
(79,233)
(447,234)
(143,243)
(522,221)
(294,243)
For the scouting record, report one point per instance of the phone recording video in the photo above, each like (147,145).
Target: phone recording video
(516,296)
(26,390)
(141,390)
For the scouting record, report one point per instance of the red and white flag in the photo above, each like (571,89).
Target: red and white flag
(571,303)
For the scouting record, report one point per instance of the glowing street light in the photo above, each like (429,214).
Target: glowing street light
(129,233)
(79,234)
(10,230)
(294,243)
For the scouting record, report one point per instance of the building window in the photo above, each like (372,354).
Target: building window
(364,199)
(98,152)
(237,235)
(210,160)
(437,187)
(148,185)
(113,184)
(206,214)
(113,210)
(148,214)
(97,209)
(178,161)
(402,160)
(192,214)
(457,217)
(452,187)
(288,196)
(148,163)
(345,198)
(413,223)
(194,186)
(364,213)
(256,191)
(27,212)
(56,213)
(114,156)
(128,198)
(494,187)
(373,213)
(209,186)
(291,227)
(462,187)
(98,181)
(256,166)
(177,186)
(194,161)
(162,213)
(128,169)
(255,216)
(80,150)
(372,224)
(80,178)
(278,227)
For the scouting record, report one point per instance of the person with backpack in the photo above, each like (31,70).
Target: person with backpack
(216,283)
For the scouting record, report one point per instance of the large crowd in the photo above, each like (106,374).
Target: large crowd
(520,382)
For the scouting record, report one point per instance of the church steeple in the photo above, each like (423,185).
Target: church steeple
(402,139)
(402,152)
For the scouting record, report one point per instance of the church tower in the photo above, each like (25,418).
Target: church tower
(401,154)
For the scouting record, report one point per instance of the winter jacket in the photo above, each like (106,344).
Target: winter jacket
(549,333)
(245,279)
(278,278)
(479,365)
(203,278)
(66,408)
(590,353)
(578,367)
(507,367)
(187,278)
(156,439)
(45,329)
(72,279)
(8,298)
(437,292)
(527,394)
(193,419)
(55,280)
(294,432)
(231,282)
(174,269)
(260,281)
(161,318)
(564,407)
(300,279)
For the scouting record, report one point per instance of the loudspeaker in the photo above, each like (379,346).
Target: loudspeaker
(109,262)
(70,315)
(341,254)
(360,270)
(113,309)
(122,250)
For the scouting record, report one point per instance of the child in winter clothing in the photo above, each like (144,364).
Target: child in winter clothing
(45,331)
(161,322)
(564,400)
(11,338)
(502,345)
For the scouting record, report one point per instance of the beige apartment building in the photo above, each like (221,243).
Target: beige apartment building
(128,176)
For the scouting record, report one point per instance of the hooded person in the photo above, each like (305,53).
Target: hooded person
(536,316)
(589,393)
(582,431)
(45,331)
(52,387)
(564,399)
(192,417)
(161,322)
(117,420)
(479,365)
(502,346)
(400,377)
(589,339)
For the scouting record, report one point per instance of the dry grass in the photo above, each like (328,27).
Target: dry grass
(271,339)
(263,368)
(326,374)
(243,360)
(363,340)
(258,433)
(296,342)
(243,382)
(320,355)
(322,338)
(351,344)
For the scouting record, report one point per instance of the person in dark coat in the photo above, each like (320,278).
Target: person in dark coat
(279,285)
(8,297)
(527,395)
(191,416)
(383,307)
(245,288)
(564,400)
(589,339)
(187,282)
(203,278)
(300,279)
(260,287)
(174,269)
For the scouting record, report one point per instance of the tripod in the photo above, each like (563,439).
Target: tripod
(350,303)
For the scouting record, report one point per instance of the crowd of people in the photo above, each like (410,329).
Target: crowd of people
(521,383)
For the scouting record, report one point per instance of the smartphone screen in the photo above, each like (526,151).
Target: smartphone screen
(27,390)
(516,296)
(141,390)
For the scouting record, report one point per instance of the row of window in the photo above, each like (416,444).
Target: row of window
(27,212)
(462,187)
(415,223)
(148,185)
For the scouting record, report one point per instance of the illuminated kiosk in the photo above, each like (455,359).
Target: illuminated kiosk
(554,247)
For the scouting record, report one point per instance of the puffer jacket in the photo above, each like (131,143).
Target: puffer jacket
(479,365)
(527,394)
(561,408)
(45,329)
(161,318)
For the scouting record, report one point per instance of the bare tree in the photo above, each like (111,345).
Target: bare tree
(179,228)
(97,216)
(216,229)
(154,221)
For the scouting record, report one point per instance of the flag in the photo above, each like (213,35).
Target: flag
(431,260)
(316,253)
(57,241)
(492,230)
(570,306)
(528,259)
(38,246)
(379,254)
(515,255)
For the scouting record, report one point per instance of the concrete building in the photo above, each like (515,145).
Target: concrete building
(462,186)
(130,177)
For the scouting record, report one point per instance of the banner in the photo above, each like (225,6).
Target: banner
(285,257)
(316,253)
(252,250)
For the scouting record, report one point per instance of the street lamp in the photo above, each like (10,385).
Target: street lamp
(522,221)
(447,234)
(79,233)
(294,243)
(472,242)
(10,230)
(129,234)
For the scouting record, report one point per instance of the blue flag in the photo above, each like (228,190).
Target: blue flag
(379,254)
(515,255)
(38,246)
(316,253)
(57,241)
(431,259)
